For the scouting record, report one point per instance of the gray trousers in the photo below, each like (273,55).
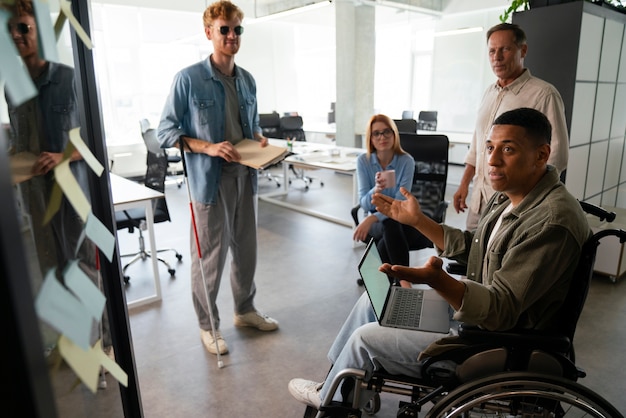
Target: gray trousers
(229,224)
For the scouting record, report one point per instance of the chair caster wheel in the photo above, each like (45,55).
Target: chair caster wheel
(277,185)
(321,183)
(126,279)
(179,257)
(172,272)
(359,282)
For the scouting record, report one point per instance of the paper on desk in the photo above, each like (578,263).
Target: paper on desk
(22,166)
(255,156)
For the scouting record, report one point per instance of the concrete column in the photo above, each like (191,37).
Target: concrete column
(355,55)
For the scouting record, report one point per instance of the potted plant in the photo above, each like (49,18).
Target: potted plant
(521,5)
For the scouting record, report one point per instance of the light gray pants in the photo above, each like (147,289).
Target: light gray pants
(229,224)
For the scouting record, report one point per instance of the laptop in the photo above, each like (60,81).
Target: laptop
(417,308)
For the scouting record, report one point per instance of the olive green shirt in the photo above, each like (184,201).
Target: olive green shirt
(523,278)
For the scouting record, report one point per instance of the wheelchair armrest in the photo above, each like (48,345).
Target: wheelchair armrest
(456,268)
(529,339)
(355,214)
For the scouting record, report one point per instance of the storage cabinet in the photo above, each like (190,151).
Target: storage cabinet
(580,48)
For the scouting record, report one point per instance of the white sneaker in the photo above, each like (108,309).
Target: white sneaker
(256,319)
(306,391)
(210,343)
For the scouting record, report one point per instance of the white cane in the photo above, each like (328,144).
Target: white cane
(220,364)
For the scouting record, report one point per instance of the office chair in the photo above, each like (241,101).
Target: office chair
(406,125)
(493,373)
(430,153)
(427,120)
(144,124)
(156,170)
(407,114)
(270,127)
(292,127)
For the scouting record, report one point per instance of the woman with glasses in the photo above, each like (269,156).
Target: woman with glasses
(384,153)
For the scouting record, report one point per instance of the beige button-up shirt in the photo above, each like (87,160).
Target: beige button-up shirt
(525,91)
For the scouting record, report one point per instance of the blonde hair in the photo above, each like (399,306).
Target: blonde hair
(397,149)
(222,9)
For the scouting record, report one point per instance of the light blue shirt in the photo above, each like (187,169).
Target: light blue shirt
(366,170)
(196,108)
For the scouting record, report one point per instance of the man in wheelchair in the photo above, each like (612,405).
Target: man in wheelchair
(520,260)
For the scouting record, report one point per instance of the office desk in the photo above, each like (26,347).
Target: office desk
(309,155)
(127,195)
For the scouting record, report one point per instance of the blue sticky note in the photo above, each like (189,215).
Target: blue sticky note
(18,84)
(100,235)
(45,33)
(59,308)
(81,285)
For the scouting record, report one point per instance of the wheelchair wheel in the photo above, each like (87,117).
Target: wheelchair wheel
(523,395)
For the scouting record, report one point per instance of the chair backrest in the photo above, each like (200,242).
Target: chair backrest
(407,114)
(270,124)
(144,124)
(427,120)
(406,125)
(291,127)
(430,153)
(156,171)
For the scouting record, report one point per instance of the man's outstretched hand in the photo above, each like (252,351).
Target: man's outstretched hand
(404,211)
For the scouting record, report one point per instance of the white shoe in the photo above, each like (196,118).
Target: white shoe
(306,391)
(256,319)
(210,343)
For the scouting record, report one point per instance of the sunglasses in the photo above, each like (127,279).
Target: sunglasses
(237,29)
(21,28)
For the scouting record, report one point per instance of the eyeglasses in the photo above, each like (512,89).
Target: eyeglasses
(21,28)
(237,29)
(387,133)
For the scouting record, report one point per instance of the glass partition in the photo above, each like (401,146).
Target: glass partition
(58,187)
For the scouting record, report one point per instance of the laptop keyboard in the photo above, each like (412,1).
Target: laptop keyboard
(407,308)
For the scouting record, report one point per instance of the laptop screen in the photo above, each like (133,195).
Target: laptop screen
(376,282)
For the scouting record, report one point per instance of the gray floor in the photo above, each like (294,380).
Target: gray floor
(306,280)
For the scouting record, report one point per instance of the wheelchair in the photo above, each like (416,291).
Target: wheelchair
(518,373)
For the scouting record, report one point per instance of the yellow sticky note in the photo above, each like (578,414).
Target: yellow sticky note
(113,368)
(85,363)
(66,180)
(66,9)
(85,152)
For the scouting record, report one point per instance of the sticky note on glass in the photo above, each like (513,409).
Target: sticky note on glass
(59,308)
(18,84)
(45,33)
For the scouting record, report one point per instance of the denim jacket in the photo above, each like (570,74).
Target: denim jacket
(195,108)
(521,280)
(57,115)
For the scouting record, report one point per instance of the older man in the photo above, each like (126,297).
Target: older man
(515,87)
